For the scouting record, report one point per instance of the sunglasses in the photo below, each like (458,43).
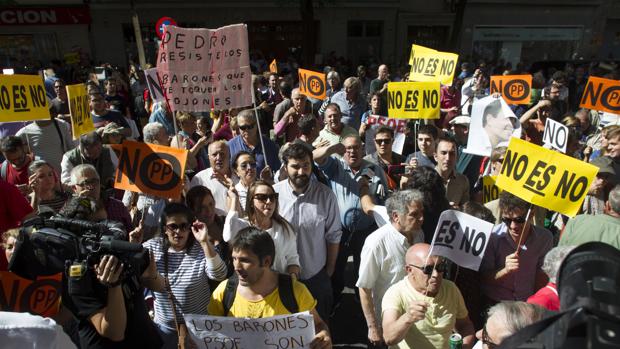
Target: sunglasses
(246,127)
(428,270)
(383,141)
(246,165)
(177,227)
(264,197)
(518,220)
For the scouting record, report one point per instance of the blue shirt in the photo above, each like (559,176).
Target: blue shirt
(351,112)
(159,115)
(237,144)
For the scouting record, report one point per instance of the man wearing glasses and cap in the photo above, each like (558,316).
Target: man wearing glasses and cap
(422,310)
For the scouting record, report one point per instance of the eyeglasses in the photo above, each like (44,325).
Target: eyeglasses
(518,220)
(383,141)
(486,340)
(88,182)
(428,270)
(177,227)
(246,127)
(246,165)
(264,197)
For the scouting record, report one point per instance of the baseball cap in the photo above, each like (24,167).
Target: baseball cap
(461,120)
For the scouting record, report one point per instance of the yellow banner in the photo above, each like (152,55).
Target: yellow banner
(79,106)
(545,177)
(490,191)
(413,100)
(431,65)
(23,98)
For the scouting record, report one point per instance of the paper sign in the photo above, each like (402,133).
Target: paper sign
(490,191)
(312,84)
(555,135)
(154,86)
(203,69)
(413,100)
(492,125)
(151,169)
(515,89)
(461,238)
(545,177)
(23,98)
(398,125)
(273,67)
(41,296)
(431,65)
(283,331)
(601,94)
(79,106)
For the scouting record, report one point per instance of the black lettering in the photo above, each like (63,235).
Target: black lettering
(178,41)
(126,167)
(575,194)
(530,182)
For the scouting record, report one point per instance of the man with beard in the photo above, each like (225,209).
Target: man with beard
(312,210)
(423,309)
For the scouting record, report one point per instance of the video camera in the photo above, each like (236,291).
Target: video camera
(46,245)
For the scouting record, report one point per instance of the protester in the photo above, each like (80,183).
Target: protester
(594,202)
(60,104)
(547,297)
(188,138)
(505,319)
(102,116)
(14,209)
(426,138)
(380,84)
(163,114)
(45,187)
(375,109)
(534,128)
(351,102)
(456,184)
(287,125)
(89,151)
(335,131)
(384,156)
(249,141)
(14,170)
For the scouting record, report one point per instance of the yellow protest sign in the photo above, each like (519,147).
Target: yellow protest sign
(413,100)
(79,106)
(22,98)
(490,191)
(545,177)
(431,65)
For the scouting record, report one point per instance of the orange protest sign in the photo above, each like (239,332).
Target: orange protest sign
(515,89)
(273,67)
(601,94)
(40,296)
(312,84)
(151,169)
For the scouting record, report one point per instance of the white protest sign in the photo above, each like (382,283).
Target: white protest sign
(556,135)
(152,82)
(374,122)
(283,331)
(492,125)
(461,238)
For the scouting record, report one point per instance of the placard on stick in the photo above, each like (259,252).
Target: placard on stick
(601,94)
(515,89)
(555,135)
(23,98)
(79,106)
(413,100)
(312,84)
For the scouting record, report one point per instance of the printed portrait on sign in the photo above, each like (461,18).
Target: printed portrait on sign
(492,125)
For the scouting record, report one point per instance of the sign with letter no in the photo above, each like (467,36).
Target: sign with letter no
(161,23)
(413,100)
(461,238)
(312,84)
(79,106)
(601,94)
(515,89)
(22,98)
(556,135)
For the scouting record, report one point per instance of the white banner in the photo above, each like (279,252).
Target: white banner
(283,331)
(398,125)
(492,125)
(461,238)
(555,135)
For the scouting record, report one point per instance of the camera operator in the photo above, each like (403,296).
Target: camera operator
(107,301)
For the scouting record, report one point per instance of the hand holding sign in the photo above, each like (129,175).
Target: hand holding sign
(512,263)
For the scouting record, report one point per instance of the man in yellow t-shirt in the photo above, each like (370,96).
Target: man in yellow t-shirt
(258,293)
(422,310)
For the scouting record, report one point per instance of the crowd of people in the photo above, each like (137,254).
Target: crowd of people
(278,196)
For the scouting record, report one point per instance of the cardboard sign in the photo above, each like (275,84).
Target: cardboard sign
(151,169)
(79,106)
(283,331)
(413,100)
(431,65)
(312,84)
(601,94)
(273,67)
(461,238)
(490,191)
(154,86)
(515,89)
(555,135)
(545,177)
(41,296)
(203,69)
(374,122)
(492,125)
(23,98)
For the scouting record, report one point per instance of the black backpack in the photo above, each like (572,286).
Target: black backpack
(285,290)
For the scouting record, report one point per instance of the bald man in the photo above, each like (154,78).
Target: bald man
(380,85)
(422,310)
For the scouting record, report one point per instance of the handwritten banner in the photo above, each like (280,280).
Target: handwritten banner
(203,69)
(545,177)
(432,65)
(23,98)
(79,106)
(413,100)
(283,331)
(312,84)
(515,89)
(601,94)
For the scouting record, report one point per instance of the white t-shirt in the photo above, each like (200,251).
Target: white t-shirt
(219,190)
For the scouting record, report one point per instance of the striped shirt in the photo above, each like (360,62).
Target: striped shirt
(188,272)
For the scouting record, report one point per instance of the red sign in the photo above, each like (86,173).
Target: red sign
(44,15)
(159,26)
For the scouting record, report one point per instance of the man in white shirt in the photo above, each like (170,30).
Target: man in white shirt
(383,255)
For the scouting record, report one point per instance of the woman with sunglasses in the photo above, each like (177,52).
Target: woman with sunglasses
(244,166)
(261,210)
(187,260)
